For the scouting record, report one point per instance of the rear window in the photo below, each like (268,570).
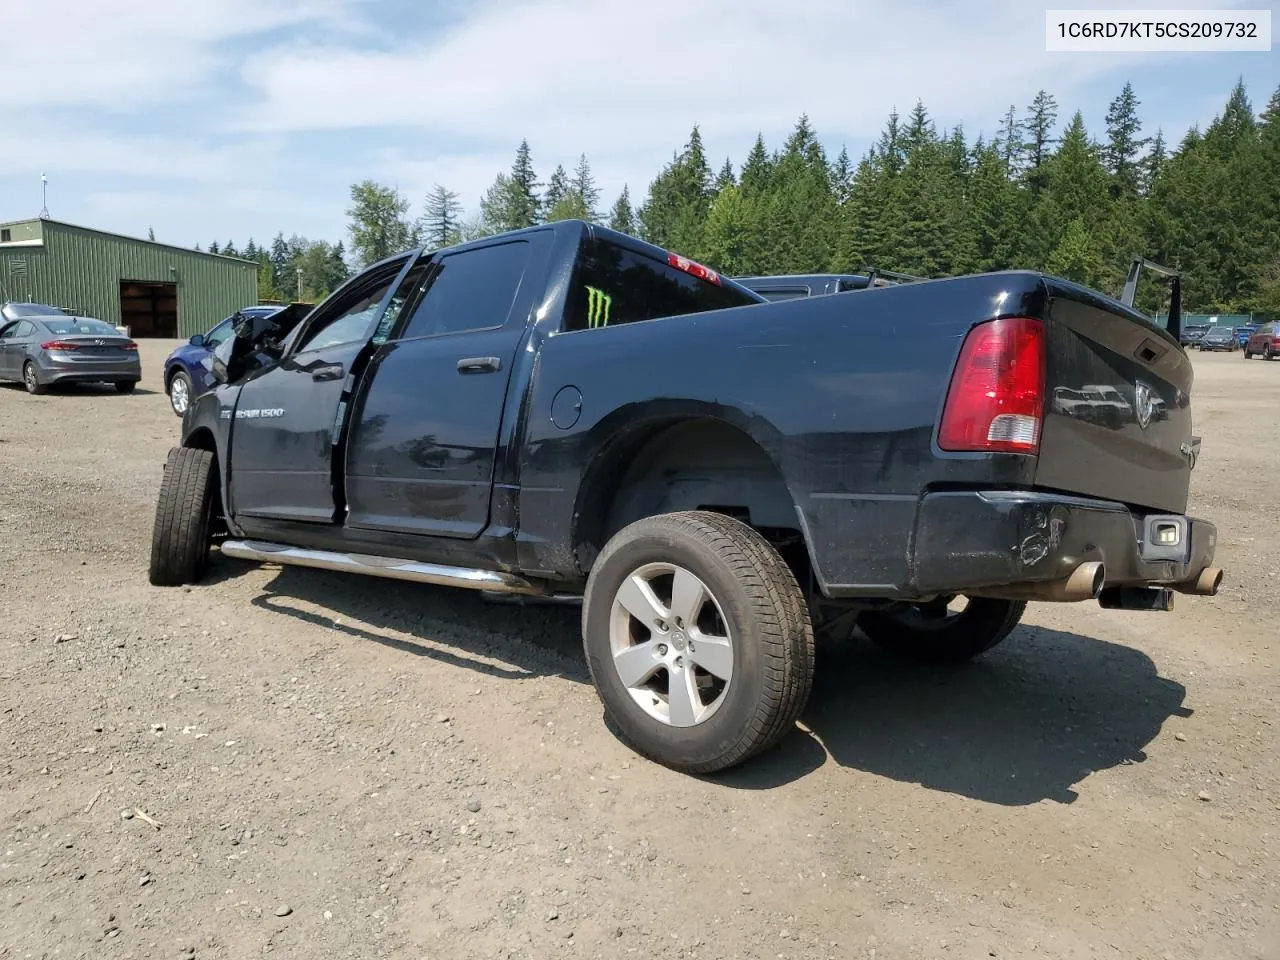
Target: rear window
(69,327)
(34,310)
(613,285)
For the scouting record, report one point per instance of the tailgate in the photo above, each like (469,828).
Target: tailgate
(1117,407)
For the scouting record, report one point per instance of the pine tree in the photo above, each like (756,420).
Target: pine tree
(891,148)
(1037,130)
(725,178)
(1153,162)
(151,234)
(214,248)
(569,207)
(1124,145)
(623,219)
(1074,203)
(511,203)
(441,216)
(584,185)
(524,193)
(279,259)
(800,210)
(728,234)
(842,177)
(229,250)
(920,130)
(557,187)
(679,199)
(757,170)
(1009,143)
(997,209)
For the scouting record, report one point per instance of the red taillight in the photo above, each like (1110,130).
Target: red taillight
(694,268)
(996,398)
(130,346)
(59,345)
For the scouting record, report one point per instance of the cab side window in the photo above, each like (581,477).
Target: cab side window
(469,290)
(348,318)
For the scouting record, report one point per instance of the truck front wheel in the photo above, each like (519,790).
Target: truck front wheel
(698,640)
(936,633)
(184,517)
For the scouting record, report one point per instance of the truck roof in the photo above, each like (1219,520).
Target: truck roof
(578,229)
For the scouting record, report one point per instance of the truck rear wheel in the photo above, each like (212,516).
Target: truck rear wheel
(935,634)
(184,514)
(698,640)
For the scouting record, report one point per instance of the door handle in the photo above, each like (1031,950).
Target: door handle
(480,365)
(330,371)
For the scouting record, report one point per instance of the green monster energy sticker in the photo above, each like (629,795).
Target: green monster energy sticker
(598,304)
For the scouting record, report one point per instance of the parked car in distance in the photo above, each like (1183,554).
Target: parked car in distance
(1264,342)
(1192,333)
(187,371)
(1244,332)
(43,349)
(1218,338)
(566,411)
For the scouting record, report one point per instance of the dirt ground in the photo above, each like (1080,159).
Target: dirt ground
(324,766)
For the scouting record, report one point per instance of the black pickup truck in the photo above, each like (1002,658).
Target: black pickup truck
(568,411)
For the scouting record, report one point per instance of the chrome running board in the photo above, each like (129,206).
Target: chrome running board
(388,567)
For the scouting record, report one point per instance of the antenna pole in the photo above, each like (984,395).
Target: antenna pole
(44,197)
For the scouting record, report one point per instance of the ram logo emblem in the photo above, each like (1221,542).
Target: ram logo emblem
(1144,402)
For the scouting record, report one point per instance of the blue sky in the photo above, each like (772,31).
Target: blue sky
(226,119)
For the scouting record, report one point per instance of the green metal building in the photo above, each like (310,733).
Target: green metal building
(154,289)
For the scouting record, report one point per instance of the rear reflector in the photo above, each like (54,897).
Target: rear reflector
(996,399)
(694,268)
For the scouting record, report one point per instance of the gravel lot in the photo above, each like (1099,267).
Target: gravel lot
(301,764)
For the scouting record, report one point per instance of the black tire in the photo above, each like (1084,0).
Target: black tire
(766,619)
(184,514)
(126,386)
(31,379)
(1268,353)
(186,381)
(951,640)
(1247,354)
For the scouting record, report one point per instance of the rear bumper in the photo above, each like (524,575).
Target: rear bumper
(966,541)
(112,371)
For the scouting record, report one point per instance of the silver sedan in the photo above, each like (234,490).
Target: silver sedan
(47,349)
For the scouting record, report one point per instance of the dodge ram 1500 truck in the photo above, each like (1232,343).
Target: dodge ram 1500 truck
(568,411)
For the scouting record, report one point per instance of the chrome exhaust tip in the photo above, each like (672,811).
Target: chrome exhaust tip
(1086,581)
(1205,585)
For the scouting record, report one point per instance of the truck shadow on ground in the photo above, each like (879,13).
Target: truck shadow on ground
(458,628)
(1026,723)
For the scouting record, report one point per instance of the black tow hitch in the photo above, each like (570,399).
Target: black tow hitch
(1136,598)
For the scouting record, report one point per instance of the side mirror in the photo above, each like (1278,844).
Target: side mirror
(197,340)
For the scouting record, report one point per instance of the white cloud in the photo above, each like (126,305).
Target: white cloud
(625,82)
(190,115)
(121,54)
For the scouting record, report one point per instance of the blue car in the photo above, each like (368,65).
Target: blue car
(188,370)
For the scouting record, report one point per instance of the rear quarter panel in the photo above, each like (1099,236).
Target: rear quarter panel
(841,392)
